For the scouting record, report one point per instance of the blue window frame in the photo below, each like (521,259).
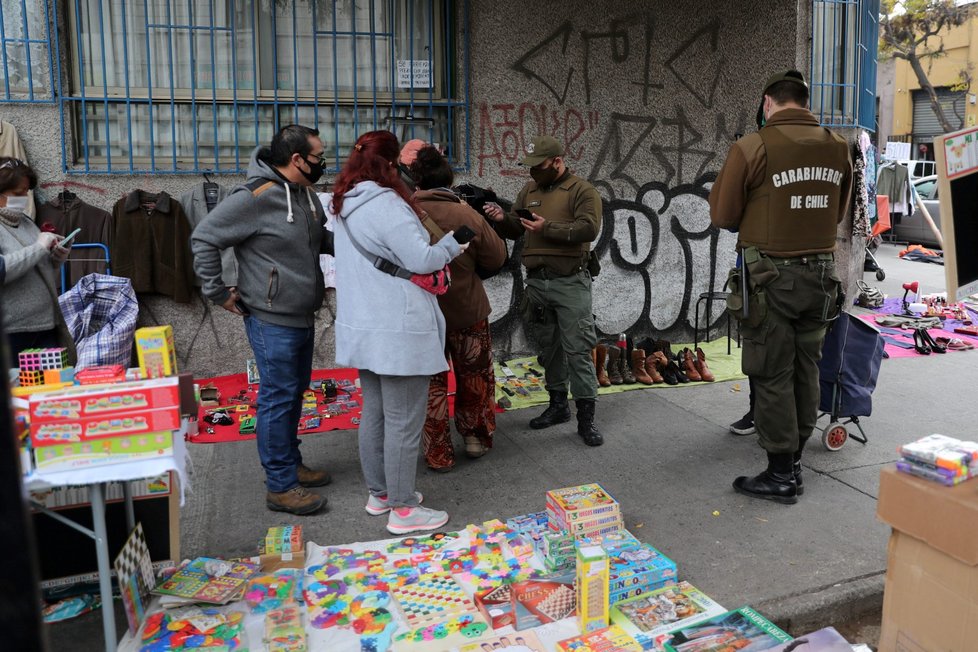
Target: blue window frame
(26,58)
(190,86)
(845,39)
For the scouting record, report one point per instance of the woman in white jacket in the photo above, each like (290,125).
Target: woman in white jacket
(387,327)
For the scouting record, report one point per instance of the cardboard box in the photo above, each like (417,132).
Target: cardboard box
(641,589)
(95,401)
(544,600)
(98,428)
(156,352)
(592,588)
(649,617)
(931,596)
(273,562)
(496,606)
(576,503)
(106,451)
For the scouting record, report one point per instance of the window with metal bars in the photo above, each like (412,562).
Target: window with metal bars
(25,52)
(845,39)
(185,86)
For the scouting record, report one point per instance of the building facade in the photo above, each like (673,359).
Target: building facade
(114,95)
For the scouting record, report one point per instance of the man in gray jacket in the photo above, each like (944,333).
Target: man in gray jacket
(275,224)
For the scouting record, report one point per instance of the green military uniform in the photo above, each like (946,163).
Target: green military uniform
(785,188)
(557,308)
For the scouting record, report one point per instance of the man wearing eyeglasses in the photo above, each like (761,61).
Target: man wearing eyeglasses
(560,215)
(275,224)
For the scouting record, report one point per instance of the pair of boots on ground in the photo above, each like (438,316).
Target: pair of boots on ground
(780,482)
(629,366)
(559,412)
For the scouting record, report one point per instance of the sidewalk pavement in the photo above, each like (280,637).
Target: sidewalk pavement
(669,460)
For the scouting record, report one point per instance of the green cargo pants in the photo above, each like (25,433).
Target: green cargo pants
(791,306)
(559,321)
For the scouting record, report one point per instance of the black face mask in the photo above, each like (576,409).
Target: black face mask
(544,177)
(315,172)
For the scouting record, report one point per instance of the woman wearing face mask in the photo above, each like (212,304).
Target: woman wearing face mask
(31,259)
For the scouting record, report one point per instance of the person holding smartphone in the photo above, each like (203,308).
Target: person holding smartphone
(559,214)
(31,258)
(466,309)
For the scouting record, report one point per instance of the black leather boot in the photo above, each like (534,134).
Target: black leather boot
(777,483)
(557,412)
(585,422)
(796,467)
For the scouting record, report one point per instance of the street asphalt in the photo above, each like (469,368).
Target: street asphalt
(669,460)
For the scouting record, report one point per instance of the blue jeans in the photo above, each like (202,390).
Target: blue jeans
(284,358)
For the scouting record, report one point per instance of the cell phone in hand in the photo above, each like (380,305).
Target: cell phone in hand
(463,234)
(66,241)
(239,304)
(525,214)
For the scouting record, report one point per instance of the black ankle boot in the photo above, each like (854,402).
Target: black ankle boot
(777,483)
(796,471)
(585,422)
(557,412)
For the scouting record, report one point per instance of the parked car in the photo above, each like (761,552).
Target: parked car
(914,229)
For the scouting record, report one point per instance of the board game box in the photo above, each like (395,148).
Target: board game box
(734,630)
(649,617)
(637,566)
(610,639)
(578,503)
(543,600)
(215,581)
(823,640)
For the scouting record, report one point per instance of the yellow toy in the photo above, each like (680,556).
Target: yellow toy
(157,355)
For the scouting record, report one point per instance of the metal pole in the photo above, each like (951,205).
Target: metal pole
(97,497)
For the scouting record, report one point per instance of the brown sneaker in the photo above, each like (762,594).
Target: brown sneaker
(310,478)
(297,501)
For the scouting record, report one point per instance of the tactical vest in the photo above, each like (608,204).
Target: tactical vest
(795,210)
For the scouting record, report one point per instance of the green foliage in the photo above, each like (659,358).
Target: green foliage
(916,28)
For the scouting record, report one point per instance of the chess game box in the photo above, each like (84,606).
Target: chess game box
(544,600)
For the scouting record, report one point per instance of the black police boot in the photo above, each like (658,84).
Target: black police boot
(777,483)
(557,412)
(585,422)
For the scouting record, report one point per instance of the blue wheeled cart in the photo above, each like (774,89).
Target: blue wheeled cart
(850,366)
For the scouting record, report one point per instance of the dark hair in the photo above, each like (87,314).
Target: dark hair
(374,158)
(13,171)
(290,139)
(431,169)
(784,92)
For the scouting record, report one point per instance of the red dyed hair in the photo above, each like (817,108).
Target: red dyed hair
(374,158)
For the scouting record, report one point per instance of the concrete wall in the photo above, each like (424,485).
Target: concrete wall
(646,96)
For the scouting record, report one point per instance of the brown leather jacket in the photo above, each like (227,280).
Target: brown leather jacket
(466,302)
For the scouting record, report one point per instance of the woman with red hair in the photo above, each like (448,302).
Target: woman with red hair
(387,327)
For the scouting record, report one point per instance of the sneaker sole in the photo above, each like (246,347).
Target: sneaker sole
(395,529)
(297,512)
(743,431)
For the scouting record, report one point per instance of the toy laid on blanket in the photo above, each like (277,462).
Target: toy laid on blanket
(193,628)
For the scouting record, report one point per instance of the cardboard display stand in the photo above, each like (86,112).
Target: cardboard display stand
(957,177)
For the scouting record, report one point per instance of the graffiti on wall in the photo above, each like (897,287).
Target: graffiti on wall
(653,165)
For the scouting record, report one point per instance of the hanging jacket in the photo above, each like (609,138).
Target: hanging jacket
(68,212)
(151,245)
(194,203)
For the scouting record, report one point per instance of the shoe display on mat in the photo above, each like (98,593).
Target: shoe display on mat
(744,426)
(297,500)
(377,505)
(414,519)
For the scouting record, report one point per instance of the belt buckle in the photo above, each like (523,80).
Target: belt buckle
(804,260)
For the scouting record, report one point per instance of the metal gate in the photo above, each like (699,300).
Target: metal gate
(925,122)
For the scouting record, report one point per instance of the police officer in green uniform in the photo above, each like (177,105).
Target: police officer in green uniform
(784,190)
(564,218)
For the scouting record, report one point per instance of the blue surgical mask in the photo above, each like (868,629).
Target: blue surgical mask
(17,203)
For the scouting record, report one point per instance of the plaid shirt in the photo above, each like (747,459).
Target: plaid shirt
(101,312)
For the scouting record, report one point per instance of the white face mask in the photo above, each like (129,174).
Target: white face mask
(16,203)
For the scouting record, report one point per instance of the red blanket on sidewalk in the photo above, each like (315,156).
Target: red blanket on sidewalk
(235,391)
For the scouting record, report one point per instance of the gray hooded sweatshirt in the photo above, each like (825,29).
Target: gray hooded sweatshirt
(384,323)
(276,229)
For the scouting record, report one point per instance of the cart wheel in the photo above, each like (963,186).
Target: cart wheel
(880,275)
(834,436)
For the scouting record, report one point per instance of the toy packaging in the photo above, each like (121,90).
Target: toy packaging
(157,355)
(193,627)
(592,588)
(496,606)
(543,600)
(638,567)
(114,373)
(734,630)
(92,429)
(521,642)
(939,458)
(571,504)
(611,639)
(286,538)
(284,631)
(649,617)
(103,452)
(215,581)
(823,640)
(128,397)
(642,589)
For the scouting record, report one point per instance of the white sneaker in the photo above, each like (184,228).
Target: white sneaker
(419,518)
(377,506)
